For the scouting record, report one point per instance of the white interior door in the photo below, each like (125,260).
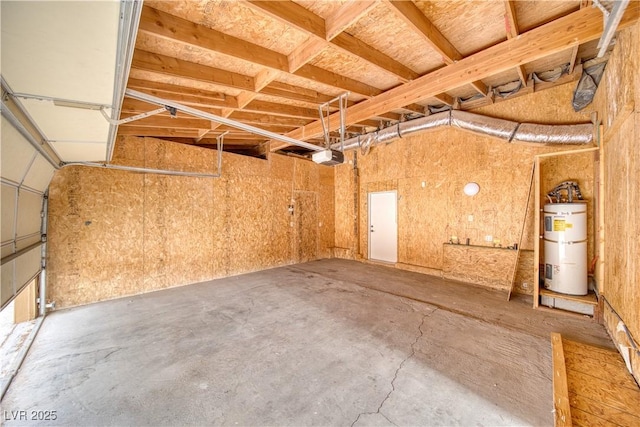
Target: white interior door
(383,226)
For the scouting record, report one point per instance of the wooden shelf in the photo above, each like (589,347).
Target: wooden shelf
(462,245)
(590,298)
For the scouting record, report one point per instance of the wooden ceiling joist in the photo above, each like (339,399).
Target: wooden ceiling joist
(581,26)
(344,17)
(164,25)
(416,20)
(512,30)
(167,65)
(130,105)
(167,26)
(332,28)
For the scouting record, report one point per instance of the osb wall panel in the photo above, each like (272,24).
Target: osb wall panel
(445,160)
(115,233)
(346,200)
(490,267)
(616,102)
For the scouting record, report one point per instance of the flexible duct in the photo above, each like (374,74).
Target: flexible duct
(481,125)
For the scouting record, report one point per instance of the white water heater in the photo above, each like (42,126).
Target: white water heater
(565,248)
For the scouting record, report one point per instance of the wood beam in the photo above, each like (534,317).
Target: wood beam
(416,20)
(186,98)
(293,14)
(320,75)
(513,30)
(166,26)
(266,118)
(170,27)
(345,17)
(522,73)
(281,109)
(157,132)
(574,58)
(445,98)
(167,65)
(349,13)
(166,121)
(579,27)
(510,20)
(171,88)
(480,87)
(305,52)
(353,45)
(130,105)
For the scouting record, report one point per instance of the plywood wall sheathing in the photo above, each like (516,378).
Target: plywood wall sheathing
(617,103)
(116,233)
(445,160)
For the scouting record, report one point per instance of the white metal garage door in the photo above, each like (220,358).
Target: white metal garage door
(25,176)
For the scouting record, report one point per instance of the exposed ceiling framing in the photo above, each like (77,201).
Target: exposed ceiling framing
(270,64)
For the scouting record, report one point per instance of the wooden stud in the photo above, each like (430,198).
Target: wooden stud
(536,234)
(524,226)
(24,305)
(562,409)
(619,120)
(600,209)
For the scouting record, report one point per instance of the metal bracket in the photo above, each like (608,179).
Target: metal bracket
(326,126)
(136,117)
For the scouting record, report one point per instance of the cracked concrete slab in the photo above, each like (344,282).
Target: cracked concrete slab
(298,345)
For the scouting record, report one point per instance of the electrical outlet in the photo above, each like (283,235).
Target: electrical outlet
(525,285)
(470,218)
(488,238)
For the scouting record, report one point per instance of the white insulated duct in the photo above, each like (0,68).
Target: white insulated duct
(506,130)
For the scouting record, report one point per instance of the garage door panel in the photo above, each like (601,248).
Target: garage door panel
(29,208)
(6,275)
(8,212)
(25,242)
(39,174)
(7,249)
(17,154)
(27,266)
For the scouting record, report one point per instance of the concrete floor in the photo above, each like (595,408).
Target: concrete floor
(311,344)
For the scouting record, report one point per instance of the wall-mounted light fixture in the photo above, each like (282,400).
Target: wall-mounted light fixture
(471,189)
